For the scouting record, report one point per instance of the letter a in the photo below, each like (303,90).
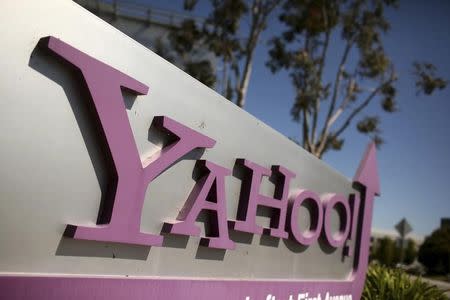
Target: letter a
(208,194)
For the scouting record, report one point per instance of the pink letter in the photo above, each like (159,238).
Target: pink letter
(354,205)
(104,84)
(280,202)
(207,194)
(367,181)
(334,200)
(309,236)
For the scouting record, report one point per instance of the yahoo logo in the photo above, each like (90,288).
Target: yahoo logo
(133,177)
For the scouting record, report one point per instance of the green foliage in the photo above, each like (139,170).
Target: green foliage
(185,49)
(370,126)
(335,143)
(434,253)
(184,38)
(364,73)
(221,27)
(186,41)
(325,109)
(392,284)
(386,252)
(302,51)
(426,79)
(202,71)
(222,34)
(410,252)
(190,4)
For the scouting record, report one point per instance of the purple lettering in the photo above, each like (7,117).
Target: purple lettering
(104,84)
(279,202)
(207,194)
(309,236)
(332,201)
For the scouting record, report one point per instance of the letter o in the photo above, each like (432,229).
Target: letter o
(307,237)
(337,239)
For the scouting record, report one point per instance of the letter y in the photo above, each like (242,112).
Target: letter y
(105,84)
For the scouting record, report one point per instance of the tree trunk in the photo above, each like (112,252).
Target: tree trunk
(255,30)
(245,80)
(225,79)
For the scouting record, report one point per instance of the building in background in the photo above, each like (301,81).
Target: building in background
(445,223)
(151,27)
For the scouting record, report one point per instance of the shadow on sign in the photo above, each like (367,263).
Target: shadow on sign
(77,94)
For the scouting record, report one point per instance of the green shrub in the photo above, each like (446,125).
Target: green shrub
(390,284)
(435,252)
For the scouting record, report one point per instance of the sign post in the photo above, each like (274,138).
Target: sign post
(403,228)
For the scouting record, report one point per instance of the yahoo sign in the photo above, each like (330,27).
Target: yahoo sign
(105,84)
(327,228)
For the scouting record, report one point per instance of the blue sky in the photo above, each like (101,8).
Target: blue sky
(414,163)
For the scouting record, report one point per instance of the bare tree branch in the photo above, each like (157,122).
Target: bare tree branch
(337,82)
(319,78)
(342,106)
(359,108)
(306,140)
(259,13)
